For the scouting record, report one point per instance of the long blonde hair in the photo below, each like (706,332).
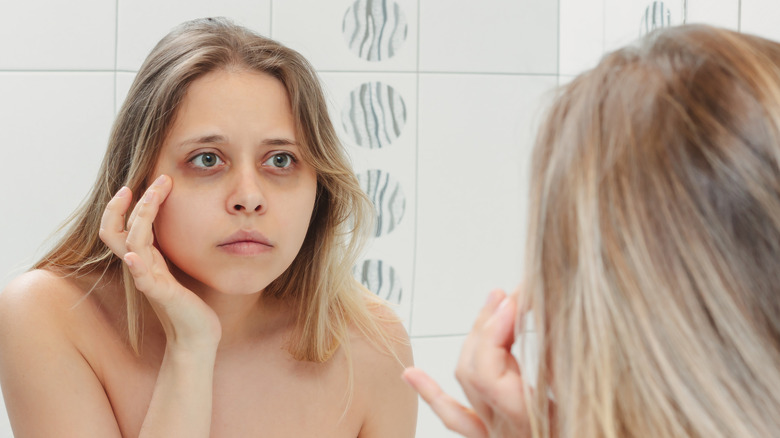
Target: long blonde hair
(653,255)
(319,280)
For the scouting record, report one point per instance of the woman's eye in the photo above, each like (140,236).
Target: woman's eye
(281,161)
(206,159)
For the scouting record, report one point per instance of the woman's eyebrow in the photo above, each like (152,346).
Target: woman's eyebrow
(279,142)
(220,139)
(206,139)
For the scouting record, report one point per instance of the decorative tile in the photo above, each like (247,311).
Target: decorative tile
(374,30)
(380,278)
(374,115)
(396,248)
(388,198)
(356,35)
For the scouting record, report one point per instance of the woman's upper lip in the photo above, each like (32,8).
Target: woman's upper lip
(246,236)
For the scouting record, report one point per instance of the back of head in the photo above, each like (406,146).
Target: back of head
(654,244)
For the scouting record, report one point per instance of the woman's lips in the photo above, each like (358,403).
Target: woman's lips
(246,243)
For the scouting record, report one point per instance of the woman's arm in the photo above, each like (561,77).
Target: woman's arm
(490,377)
(181,404)
(393,409)
(49,387)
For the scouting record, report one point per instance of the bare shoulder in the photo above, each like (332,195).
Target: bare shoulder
(378,366)
(45,378)
(38,296)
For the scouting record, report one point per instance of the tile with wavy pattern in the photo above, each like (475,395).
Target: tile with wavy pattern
(374,29)
(374,115)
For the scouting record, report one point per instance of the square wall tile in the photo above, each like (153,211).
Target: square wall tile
(760,17)
(581,35)
(72,35)
(502,36)
(375,117)
(348,35)
(140,30)
(722,13)
(626,20)
(5,423)
(438,357)
(475,138)
(58,125)
(124,80)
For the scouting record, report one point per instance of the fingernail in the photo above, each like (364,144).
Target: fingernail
(122,192)
(148,197)
(491,297)
(504,303)
(128,261)
(159,181)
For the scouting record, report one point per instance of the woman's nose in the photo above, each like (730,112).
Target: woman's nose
(247,194)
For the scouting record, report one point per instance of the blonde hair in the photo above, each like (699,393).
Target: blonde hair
(653,256)
(319,280)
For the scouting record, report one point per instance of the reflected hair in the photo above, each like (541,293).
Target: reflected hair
(653,254)
(319,281)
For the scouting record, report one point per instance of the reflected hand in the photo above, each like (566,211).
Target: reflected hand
(490,377)
(187,320)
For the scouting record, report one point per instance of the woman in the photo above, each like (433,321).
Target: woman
(653,257)
(205,288)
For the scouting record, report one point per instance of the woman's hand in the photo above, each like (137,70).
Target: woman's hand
(489,375)
(188,322)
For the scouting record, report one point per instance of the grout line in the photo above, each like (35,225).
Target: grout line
(558,49)
(444,336)
(739,16)
(434,72)
(55,71)
(364,72)
(271,19)
(416,173)
(116,50)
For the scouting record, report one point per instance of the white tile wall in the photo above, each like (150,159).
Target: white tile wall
(499,36)
(473,78)
(475,139)
(761,17)
(724,13)
(71,35)
(438,356)
(142,23)
(581,35)
(55,128)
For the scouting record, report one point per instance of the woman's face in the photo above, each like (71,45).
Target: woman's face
(242,195)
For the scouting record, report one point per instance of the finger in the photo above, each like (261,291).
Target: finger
(142,276)
(141,235)
(112,224)
(455,416)
(160,182)
(494,299)
(495,378)
(492,356)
